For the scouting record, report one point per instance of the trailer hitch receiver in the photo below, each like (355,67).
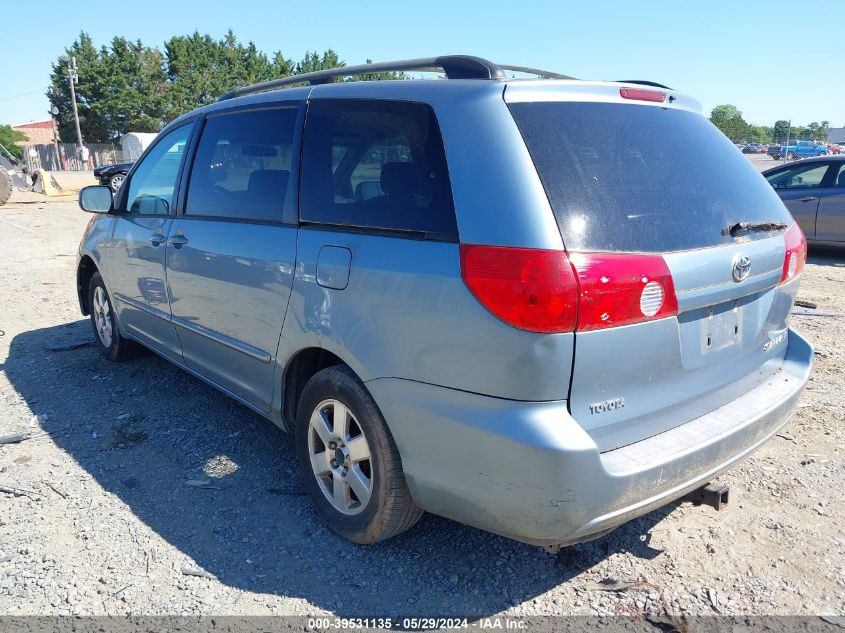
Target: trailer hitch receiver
(713,495)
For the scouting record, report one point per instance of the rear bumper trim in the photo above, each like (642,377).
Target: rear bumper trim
(528,471)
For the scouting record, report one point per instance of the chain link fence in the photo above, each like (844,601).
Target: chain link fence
(67,157)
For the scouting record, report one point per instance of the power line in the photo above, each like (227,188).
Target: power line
(24,94)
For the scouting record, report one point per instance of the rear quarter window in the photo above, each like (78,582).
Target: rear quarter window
(376,165)
(638,178)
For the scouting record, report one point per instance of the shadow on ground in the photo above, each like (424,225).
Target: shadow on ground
(826,256)
(144,427)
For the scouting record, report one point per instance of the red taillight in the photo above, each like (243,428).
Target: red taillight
(622,288)
(550,291)
(638,94)
(796,253)
(529,289)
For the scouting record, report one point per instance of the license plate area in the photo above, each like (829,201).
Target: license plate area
(722,327)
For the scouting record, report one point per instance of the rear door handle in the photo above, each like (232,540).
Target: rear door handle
(157,239)
(807,199)
(177,241)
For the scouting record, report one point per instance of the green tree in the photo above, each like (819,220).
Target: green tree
(781,131)
(729,120)
(281,66)
(815,131)
(120,89)
(8,138)
(759,134)
(128,86)
(133,84)
(89,90)
(201,69)
(313,61)
(383,76)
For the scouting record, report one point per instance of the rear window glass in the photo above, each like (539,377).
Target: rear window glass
(624,177)
(376,164)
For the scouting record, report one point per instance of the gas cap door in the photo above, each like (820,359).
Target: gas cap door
(333,265)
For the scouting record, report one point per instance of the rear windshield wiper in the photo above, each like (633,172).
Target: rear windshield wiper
(745,225)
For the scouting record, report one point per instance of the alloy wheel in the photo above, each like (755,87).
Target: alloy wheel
(340,457)
(102,316)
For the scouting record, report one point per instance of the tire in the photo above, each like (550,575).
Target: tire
(115,182)
(387,508)
(790,156)
(5,186)
(104,323)
(774,157)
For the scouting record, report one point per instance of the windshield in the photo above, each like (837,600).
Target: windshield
(624,177)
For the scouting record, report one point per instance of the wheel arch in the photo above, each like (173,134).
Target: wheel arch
(299,369)
(84,271)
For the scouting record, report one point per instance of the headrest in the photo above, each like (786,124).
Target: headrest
(402,179)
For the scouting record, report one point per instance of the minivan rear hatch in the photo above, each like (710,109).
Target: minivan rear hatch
(652,176)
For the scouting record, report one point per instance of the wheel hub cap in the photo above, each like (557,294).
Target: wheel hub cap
(341,454)
(102,317)
(340,457)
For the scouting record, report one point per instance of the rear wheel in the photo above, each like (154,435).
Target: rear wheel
(104,323)
(791,156)
(349,461)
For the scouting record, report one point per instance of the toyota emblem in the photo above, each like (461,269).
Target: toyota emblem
(742,268)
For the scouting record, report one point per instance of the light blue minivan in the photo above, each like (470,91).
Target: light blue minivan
(518,303)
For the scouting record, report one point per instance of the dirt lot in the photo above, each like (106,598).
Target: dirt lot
(110,525)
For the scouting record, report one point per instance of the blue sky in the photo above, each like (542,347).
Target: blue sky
(744,52)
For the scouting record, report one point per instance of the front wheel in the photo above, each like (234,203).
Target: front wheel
(791,156)
(104,323)
(349,461)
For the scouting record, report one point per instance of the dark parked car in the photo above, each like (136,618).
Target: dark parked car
(112,175)
(814,192)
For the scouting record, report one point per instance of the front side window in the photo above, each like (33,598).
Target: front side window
(242,165)
(153,182)
(799,177)
(376,164)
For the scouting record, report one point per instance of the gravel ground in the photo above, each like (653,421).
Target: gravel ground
(110,522)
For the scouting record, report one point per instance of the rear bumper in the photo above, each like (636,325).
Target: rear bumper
(528,471)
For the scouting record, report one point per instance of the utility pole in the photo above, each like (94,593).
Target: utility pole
(54,112)
(73,77)
(786,147)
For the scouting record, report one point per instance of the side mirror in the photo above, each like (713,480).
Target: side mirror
(95,199)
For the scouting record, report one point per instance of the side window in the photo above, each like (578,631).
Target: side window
(375,164)
(154,180)
(799,177)
(839,177)
(242,165)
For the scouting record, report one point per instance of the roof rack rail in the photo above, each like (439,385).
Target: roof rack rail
(545,74)
(642,82)
(455,67)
